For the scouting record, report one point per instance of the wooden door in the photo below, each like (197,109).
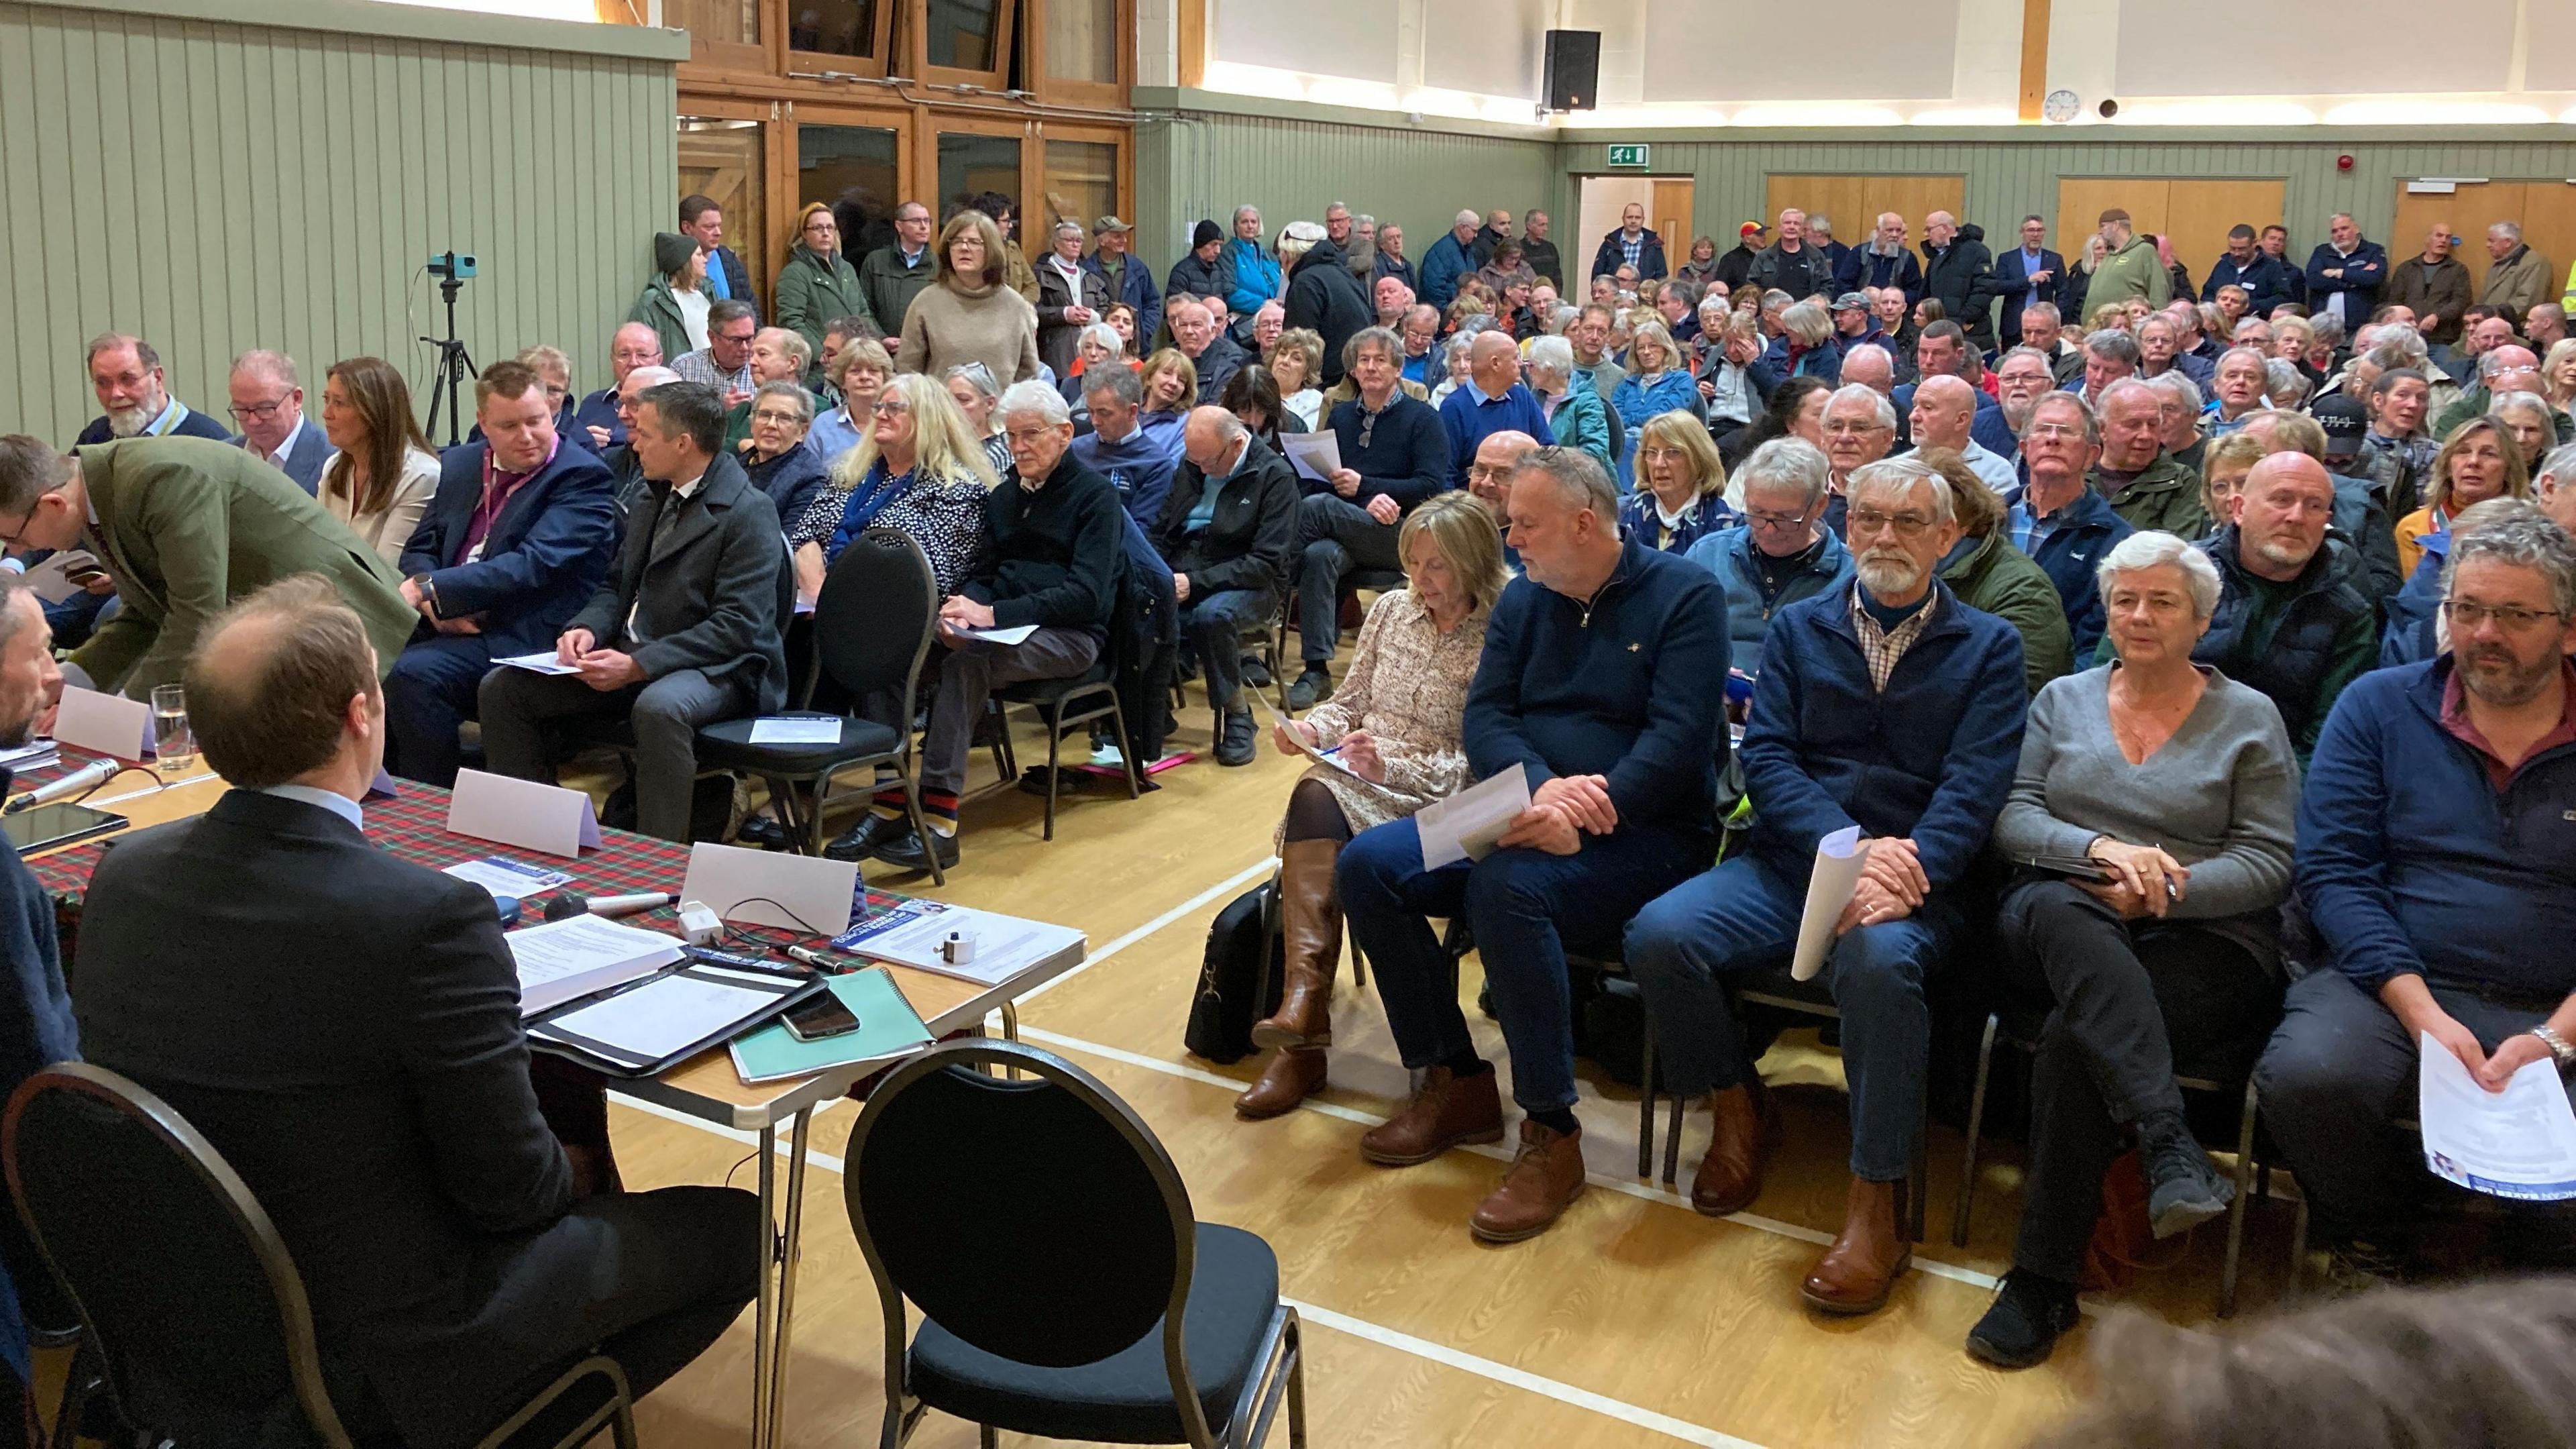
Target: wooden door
(727,158)
(1854,202)
(2546,209)
(1668,211)
(2549,226)
(2196,214)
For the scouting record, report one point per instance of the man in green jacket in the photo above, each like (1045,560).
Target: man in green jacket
(818,284)
(184,526)
(2144,483)
(2129,267)
(893,275)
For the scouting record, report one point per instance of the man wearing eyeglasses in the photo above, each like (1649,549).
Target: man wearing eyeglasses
(2291,621)
(2431,860)
(1860,428)
(725,362)
(268,407)
(134,397)
(1782,552)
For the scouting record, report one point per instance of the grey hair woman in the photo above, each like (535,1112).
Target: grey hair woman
(972,386)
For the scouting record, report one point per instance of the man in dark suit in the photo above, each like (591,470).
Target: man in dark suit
(514,542)
(684,631)
(134,396)
(1227,528)
(2025,275)
(344,1027)
(268,407)
(702,221)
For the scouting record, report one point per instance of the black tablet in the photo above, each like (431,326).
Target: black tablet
(48,826)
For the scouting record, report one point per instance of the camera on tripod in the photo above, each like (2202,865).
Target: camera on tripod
(451,266)
(455,364)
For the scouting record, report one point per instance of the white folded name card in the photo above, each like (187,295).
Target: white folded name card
(522,813)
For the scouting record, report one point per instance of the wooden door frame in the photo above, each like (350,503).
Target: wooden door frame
(897,118)
(917,48)
(718,62)
(1111,95)
(873,67)
(777,223)
(1123,181)
(936,123)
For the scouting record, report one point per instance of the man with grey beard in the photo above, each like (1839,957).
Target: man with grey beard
(134,392)
(2022,378)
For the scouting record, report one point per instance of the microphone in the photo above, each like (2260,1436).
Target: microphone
(567,905)
(88,777)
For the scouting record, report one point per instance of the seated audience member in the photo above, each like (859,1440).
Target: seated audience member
(2177,781)
(2292,620)
(2110,354)
(777,355)
(1492,400)
(1396,723)
(978,394)
(1253,397)
(919,470)
(2222,476)
(2526,419)
(2021,380)
(1944,409)
(1781,552)
(1871,366)
(1659,381)
(2422,866)
(1602,680)
(1053,553)
(1134,449)
(2395,454)
(1200,337)
(596,425)
(684,630)
(1859,428)
(1097,349)
(774,456)
(133,396)
(2358,521)
(1227,530)
(1576,416)
(1726,377)
(2178,408)
(626,475)
(2144,483)
(183,525)
(857,373)
(2501,370)
(725,362)
(268,407)
(2061,522)
(2415,629)
(385,1118)
(1680,496)
(2476,463)
(554,373)
(516,539)
(1804,347)
(1895,708)
(383,471)
(1394,456)
(1171,382)
(1989,574)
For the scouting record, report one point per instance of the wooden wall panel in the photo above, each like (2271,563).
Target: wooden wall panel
(2197,214)
(1670,215)
(2546,209)
(1854,202)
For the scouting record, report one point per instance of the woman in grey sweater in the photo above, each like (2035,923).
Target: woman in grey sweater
(2179,786)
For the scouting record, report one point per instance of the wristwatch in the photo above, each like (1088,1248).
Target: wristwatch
(2558,1045)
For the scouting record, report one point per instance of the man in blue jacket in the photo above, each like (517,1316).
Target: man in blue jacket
(1130,280)
(1896,710)
(1604,682)
(2060,521)
(512,545)
(1633,244)
(2434,860)
(1449,261)
(2345,274)
(2264,277)
(1782,552)
(1494,400)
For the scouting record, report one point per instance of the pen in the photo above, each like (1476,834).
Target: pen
(810,957)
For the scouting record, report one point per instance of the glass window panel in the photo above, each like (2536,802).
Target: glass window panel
(833,27)
(1082,40)
(1081,181)
(731,22)
(721,160)
(970,165)
(851,169)
(962,33)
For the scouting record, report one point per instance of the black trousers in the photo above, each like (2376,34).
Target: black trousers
(2126,998)
(1335,539)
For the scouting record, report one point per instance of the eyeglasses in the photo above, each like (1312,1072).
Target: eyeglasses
(1846,428)
(738,339)
(1870,520)
(822,223)
(2466,617)
(893,405)
(2052,430)
(1760,519)
(259,411)
(773,415)
(12,536)
(1026,437)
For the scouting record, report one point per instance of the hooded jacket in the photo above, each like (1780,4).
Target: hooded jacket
(1961,278)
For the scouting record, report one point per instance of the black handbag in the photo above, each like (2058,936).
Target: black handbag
(1241,979)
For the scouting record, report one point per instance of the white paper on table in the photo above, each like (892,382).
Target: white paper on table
(803,893)
(661,1017)
(1466,825)
(105,724)
(562,960)
(52,579)
(543,662)
(523,813)
(1839,858)
(796,731)
(1017,635)
(2517,1143)
(1314,455)
(32,754)
(1004,945)
(508,877)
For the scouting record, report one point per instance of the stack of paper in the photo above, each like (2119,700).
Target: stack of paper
(1469,824)
(2517,1143)
(911,933)
(33,755)
(570,958)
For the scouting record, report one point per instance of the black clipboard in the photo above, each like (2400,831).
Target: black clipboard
(785,993)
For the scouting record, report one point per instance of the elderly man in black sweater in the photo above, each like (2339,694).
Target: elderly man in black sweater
(1053,556)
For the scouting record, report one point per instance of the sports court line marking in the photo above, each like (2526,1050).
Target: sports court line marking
(1259,867)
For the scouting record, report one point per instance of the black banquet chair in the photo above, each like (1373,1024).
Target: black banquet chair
(1098,1308)
(186,1293)
(872,628)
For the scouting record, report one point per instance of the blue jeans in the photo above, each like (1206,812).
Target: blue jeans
(1214,626)
(1742,918)
(1524,906)
(429,694)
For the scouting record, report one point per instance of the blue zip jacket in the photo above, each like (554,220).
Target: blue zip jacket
(1135,288)
(2266,279)
(2364,273)
(1728,553)
(1442,266)
(2410,860)
(2086,530)
(1708,515)
(2408,637)
(1256,277)
(1631,687)
(1931,757)
(1469,418)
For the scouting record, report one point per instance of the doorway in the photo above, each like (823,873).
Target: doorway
(1668,201)
(2545,209)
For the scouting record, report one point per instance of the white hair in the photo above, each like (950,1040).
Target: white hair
(1554,354)
(1881,411)
(1035,397)
(2150,547)
(1106,335)
(1900,475)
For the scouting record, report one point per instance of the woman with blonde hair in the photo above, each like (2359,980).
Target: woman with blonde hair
(2558,374)
(2479,462)
(2222,474)
(384,473)
(858,373)
(1658,381)
(1296,365)
(969,314)
(919,469)
(816,283)
(1702,264)
(1681,486)
(1171,381)
(1394,727)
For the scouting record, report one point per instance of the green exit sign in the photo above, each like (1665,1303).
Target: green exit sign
(1629,155)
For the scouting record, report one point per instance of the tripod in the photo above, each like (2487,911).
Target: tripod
(455,365)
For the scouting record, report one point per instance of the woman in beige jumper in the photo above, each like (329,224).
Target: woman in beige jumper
(1394,727)
(968,315)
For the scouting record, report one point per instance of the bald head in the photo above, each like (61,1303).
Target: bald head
(1944,408)
(1496,457)
(1211,437)
(1494,360)
(282,688)
(1870,366)
(2282,510)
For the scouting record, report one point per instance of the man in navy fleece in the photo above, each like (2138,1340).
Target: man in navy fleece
(1604,681)
(1892,707)
(2437,860)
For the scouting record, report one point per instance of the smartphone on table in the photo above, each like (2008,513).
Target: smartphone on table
(821,1018)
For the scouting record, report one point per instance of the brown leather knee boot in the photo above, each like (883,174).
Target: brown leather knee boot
(1310,917)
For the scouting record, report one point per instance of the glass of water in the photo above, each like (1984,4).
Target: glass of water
(174,745)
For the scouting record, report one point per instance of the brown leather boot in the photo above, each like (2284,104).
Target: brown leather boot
(1293,1075)
(1857,1272)
(1543,1181)
(1744,1131)
(1310,917)
(1446,1111)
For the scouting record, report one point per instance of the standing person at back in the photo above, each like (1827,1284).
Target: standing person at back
(892,275)
(703,221)
(2129,270)
(815,283)
(2345,274)
(969,315)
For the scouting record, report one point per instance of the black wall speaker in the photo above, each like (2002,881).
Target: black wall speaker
(1573,69)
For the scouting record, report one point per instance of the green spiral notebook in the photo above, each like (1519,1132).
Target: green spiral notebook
(888,1028)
